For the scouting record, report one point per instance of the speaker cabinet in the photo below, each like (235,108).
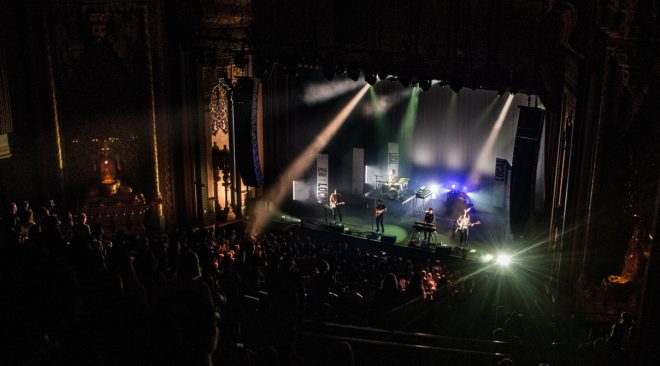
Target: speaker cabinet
(523,172)
(336,228)
(442,251)
(387,239)
(245,131)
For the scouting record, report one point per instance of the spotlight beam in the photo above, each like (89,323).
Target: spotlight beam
(379,113)
(295,170)
(407,128)
(320,92)
(487,149)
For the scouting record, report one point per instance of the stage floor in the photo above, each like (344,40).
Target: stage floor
(489,237)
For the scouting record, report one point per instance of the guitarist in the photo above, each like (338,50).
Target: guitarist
(335,206)
(463,225)
(379,212)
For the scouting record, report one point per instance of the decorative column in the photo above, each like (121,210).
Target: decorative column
(224,161)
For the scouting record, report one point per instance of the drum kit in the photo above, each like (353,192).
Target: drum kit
(392,190)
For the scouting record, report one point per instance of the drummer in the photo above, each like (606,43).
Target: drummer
(393,177)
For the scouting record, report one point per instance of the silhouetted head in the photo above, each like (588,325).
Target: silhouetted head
(12,208)
(188,266)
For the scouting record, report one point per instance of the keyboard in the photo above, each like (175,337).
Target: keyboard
(423,226)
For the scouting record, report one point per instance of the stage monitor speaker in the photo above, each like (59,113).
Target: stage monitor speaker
(523,171)
(442,251)
(336,228)
(245,130)
(388,239)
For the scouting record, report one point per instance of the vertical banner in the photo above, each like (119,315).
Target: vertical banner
(500,196)
(322,178)
(357,183)
(392,159)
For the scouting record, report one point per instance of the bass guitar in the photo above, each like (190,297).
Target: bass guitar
(379,213)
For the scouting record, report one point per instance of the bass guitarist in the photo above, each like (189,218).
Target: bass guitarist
(379,212)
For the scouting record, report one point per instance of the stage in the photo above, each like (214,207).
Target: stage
(488,237)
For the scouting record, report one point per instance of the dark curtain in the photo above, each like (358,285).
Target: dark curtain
(279,124)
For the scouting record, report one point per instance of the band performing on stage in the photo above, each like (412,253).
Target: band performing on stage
(448,225)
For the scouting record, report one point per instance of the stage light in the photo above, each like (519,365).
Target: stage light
(456,87)
(353,74)
(453,186)
(405,81)
(487,258)
(290,68)
(370,78)
(425,85)
(503,260)
(435,188)
(500,92)
(514,91)
(329,73)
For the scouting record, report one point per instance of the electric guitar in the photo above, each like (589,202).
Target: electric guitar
(379,213)
(334,205)
(462,224)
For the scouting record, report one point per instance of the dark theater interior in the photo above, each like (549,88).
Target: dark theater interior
(329,182)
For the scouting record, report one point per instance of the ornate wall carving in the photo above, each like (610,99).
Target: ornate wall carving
(108,61)
(219,109)
(100,81)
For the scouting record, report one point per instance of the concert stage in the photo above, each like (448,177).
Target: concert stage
(488,237)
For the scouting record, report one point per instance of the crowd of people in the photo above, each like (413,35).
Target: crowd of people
(81,292)
(199,296)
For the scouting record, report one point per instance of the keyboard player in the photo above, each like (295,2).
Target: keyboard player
(429,218)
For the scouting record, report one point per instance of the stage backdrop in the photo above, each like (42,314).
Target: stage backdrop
(439,132)
(452,129)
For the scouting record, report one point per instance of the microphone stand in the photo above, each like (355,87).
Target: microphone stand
(372,220)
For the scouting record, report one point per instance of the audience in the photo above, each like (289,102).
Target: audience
(72,295)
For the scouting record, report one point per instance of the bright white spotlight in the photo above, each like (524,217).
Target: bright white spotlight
(503,260)
(323,91)
(484,163)
(275,195)
(453,186)
(487,258)
(434,188)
